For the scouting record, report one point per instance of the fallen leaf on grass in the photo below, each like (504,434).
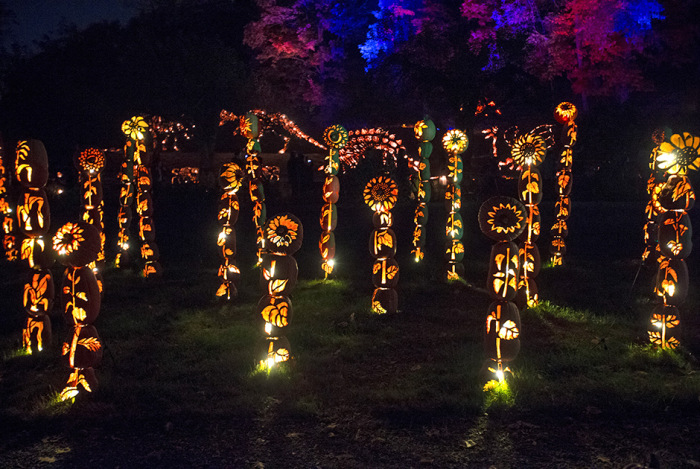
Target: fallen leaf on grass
(48,459)
(293,435)
(469,443)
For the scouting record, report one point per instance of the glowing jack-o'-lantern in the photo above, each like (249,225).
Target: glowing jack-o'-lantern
(424,130)
(385,301)
(231,177)
(385,273)
(675,234)
(382,243)
(275,310)
(530,186)
(36,253)
(565,112)
(335,136)
(275,350)
(528,150)
(455,141)
(502,338)
(326,245)
(91,160)
(39,291)
(33,213)
(533,224)
(672,281)
(80,296)
(502,218)
(37,333)
(331,189)
(530,259)
(135,128)
(84,350)
(77,244)
(329,217)
(278,274)
(229,208)
(284,234)
(31,164)
(676,194)
(679,155)
(381,193)
(664,330)
(504,271)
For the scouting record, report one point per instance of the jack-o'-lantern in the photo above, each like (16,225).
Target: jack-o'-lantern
(533,224)
(257,192)
(385,273)
(530,259)
(502,218)
(562,208)
(381,193)
(36,253)
(135,128)
(77,244)
(143,178)
(326,245)
(227,242)
(276,312)
(559,229)
(530,186)
(231,177)
(249,126)
(456,168)
(680,155)
(504,267)
(672,281)
(80,295)
(453,198)
(557,247)
(565,112)
(278,274)
(454,252)
(502,337)
(675,234)
(455,141)
(424,130)
(93,216)
(382,220)
(329,217)
(149,251)
(91,190)
(651,232)
(39,292)
(126,194)
(83,377)
(31,164)
(84,348)
(284,234)
(382,243)
(425,192)
(275,350)
(528,150)
(528,293)
(385,301)
(124,217)
(664,328)
(335,136)
(33,215)
(424,170)
(331,189)
(37,333)
(147,230)
(676,194)
(152,269)
(454,228)
(564,182)
(144,204)
(421,214)
(90,160)
(229,208)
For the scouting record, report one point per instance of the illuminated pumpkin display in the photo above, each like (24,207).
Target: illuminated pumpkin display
(565,113)
(424,131)
(6,211)
(380,194)
(502,219)
(455,142)
(653,209)
(284,235)
(230,179)
(90,162)
(33,220)
(528,150)
(78,245)
(250,129)
(673,232)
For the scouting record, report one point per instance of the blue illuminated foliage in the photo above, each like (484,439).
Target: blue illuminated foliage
(394,24)
(637,16)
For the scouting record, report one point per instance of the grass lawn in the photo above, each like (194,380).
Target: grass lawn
(179,386)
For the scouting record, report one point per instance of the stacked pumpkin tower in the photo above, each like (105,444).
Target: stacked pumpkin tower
(283,236)
(565,113)
(33,221)
(230,180)
(424,131)
(77,246)
(134,129)
(90,163)
(455,143)
(502,219)
(653,209)
(380,194)
(335,137)
(675,232)
(250,129)
(8,221)
(528,151)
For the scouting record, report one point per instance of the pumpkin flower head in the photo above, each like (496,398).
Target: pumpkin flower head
(135,128)
(679,155)
(565,113)
(380,193)
(282,230)
(455,141)
(505,218)
(528,150)
(68,239)
(91,160)
(335,136)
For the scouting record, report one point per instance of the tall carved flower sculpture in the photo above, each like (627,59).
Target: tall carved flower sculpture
(68,239)
(284,233)
(335,136)
(91,160)
(503,219)
(679,155)
(380,193)
(135,128)
(529,150)
(565,112)
(455,141)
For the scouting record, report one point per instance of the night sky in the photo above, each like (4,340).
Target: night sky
(35,18)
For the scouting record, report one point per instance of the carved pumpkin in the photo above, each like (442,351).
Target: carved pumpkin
(329,217)
(502,337)
(144,204)
(37,333)
(278,274)
(39,292)
(565,112)
(455,166)
(135,128)
(665,326)
(143,178)
(530,259)
(421,214)
(557,247)
(453,198)
(126,194)
(528,150)
(36,253)
(680,155)
(502,218)
(229,208)
(275,310)
(124,217)
(385,273)
(335,136)
(504,267)
(33,215)
(274,350)
(455,141)
(32,164)
(454,252)
(528,293)
(382,220)
(152,269)
(676,194)
(675,234)
(91,187)
(90,160)
(382,243)
(385,301)
(80,295)
(563,208)
(149,251)
(424,130)
(424,170)
(672,281)
(77,244)
(533,224)
(249,126)
(83,349)
(231,177)
(147,230)
(424,193)
(326,245)
(227,242)
(559,229)
(93,216)
(564,182)
(454,228)
(381,193)
(284,234)
(530,186)
(331,189)
(425,149)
